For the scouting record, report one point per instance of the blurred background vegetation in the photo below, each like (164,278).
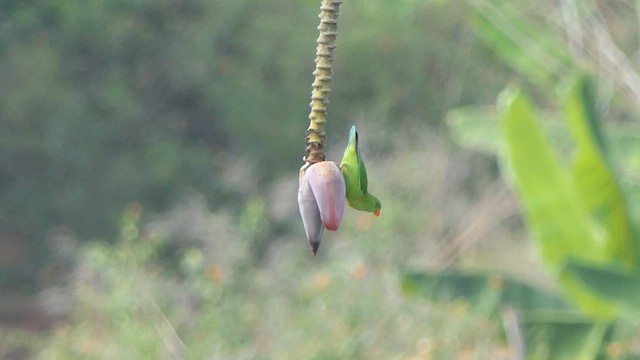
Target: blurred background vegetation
(149,159)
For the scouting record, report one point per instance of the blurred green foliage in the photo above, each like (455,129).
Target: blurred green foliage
(550,328)
(214,302)
(101,106)
(575,205)
(576,212)
(110,105)
(575,208)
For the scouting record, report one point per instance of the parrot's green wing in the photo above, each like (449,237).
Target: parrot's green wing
(362,170)
(353,150)
(350,165)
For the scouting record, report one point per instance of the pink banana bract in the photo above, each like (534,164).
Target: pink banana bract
(321,199)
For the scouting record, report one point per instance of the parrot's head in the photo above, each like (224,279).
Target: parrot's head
(376,205)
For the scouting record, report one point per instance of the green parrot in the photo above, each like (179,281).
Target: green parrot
(355,178)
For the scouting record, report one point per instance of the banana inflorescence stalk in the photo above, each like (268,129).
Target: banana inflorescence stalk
(315,135)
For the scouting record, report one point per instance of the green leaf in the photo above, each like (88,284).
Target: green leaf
(550,202)
(460,285)
(595,182)
(553,207)
(559,339)
(614,283)
(475,127)
(478,128)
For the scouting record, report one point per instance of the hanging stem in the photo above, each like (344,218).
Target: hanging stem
(315,135)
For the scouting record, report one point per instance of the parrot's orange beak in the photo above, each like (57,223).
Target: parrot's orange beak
(376,212)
